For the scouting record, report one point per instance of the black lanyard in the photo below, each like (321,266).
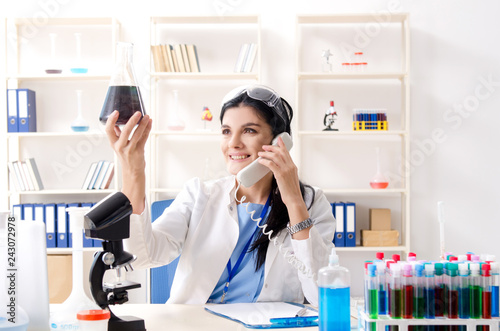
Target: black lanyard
(232,271)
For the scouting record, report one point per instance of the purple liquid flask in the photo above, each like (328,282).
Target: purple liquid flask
(123,92)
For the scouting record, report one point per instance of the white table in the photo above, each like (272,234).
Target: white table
(176,317)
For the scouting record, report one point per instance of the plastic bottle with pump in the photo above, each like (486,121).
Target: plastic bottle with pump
(334,296)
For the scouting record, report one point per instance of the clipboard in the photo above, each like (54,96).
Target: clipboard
(267,315)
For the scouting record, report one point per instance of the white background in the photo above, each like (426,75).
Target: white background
(455,49)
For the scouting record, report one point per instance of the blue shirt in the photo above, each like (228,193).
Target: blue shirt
(246,283)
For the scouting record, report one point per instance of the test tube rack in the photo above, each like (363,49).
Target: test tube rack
(403,323)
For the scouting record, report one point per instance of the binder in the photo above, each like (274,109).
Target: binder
(12,118)
(34,173)
(87,242)
(338,212)
(109,176)
(26,173)
(28,212)
(38,212)
(89,176)
(69,230)
(350,224)
(50,224)
(26,105)
(62,225)
(101,175)
(13,178)
(18,212)
(95,175)
(19,177)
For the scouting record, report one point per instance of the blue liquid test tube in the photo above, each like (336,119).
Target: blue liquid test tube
(495,283)
(382,288)
(463,291)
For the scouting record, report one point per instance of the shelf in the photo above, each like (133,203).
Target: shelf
(202,75)
(68,21)
(352,18)
(354,75)
(62,191)
(353,133)
(55,134)
(186,133)
(370,249)
(367,191)
(56,77)
(60,250)
(205,20)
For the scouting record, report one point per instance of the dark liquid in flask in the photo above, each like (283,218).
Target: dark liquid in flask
(126,99)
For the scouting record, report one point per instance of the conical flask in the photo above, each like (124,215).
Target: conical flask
(123,91)
(379,181)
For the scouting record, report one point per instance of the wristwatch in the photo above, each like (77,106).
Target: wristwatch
(299,226)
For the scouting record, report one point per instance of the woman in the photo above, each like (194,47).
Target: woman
(224,257)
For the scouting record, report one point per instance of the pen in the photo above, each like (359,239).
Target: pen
(301,312)
(296,321)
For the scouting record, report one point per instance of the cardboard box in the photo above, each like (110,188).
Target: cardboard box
(380,219)
(60,270)
(379,238)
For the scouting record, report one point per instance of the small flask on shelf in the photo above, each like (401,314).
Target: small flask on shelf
(334,296)
(123,91)
(53,67)
(78,68)
(379,181)
(79,124)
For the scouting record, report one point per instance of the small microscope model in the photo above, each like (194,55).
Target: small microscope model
(109,220)
(329,119)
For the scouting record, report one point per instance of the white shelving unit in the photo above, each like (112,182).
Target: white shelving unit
(218,41)
(328,159)
(63,156)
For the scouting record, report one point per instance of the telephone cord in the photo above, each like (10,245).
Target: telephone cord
(289,257)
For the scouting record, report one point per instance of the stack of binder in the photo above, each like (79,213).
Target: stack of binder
(21,110)
(345,231)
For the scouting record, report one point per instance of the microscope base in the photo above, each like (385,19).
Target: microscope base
(126,323)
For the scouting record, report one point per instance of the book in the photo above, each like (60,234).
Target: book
(100,176)
(238,67)
(156,60)
(89,176)
(19,177)
(174,59)
(108,177)
(34,174)
(193,58)
(250,58)
(164,58)
(170,60)
(26,176)
(178,56)
(13,178)
(185,58)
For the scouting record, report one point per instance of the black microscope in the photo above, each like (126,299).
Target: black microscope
(109,220)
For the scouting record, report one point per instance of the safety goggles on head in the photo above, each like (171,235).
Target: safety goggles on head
(263,94)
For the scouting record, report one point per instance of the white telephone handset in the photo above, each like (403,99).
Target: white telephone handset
(255,171)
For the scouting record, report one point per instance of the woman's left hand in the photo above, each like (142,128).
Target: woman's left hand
(278,159)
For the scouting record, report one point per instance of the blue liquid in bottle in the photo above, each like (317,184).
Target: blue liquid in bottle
(494,301)
(334,309)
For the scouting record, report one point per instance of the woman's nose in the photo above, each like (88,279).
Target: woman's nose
(235,141)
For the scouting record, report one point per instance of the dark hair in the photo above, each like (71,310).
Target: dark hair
(278,216)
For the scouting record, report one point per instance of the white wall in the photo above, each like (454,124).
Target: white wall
(455,95)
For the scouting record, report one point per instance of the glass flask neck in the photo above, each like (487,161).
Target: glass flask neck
(124,74)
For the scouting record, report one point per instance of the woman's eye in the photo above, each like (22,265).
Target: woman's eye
(225,131)
(249,130)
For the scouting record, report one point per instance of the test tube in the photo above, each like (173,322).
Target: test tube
(486,280)
(407,291)
(372,289)
(382,288)
(495,283)
(452,273)
(439,290)
(418,293)
(396,257)
(429,292)
(464,293)
(395,295)
(475,291)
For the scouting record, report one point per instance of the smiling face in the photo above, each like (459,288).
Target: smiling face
(243,134)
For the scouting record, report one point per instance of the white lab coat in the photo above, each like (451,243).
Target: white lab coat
(202,224)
